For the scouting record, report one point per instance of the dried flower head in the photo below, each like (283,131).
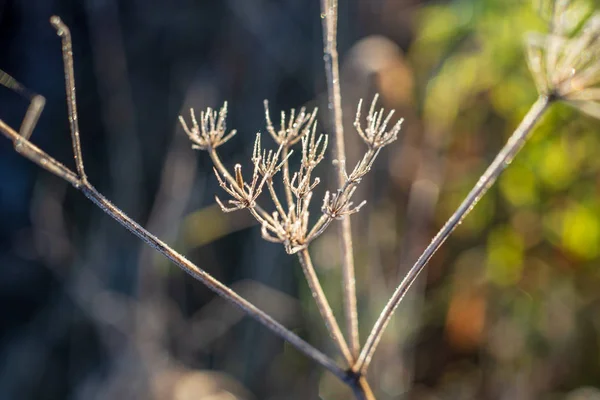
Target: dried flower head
(289,223)
(291,131)
(267,162)
(337,205)
(313,148)
(243,194)
(211,132)
(565,63)
(291,230)
(375,134)
(301,184)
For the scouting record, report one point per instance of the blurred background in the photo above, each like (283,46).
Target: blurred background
(508,309)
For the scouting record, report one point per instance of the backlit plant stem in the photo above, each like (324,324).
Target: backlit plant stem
(329,14)
(489,177)
(323,305)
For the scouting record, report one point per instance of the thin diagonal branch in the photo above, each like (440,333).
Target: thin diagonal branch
(489,177)
(38,156)
(329,9)
(212,283)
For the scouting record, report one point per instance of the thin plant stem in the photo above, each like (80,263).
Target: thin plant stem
(212,283)
(67,52)
(362,390)
(329,12)
(286,176)
(489,177)
(323,305)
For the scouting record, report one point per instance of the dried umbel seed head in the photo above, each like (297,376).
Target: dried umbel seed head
(291,229)
(339,204)
(289,223)
(267,162)
(243,194)
(313,148)
(211,132)
(565,63)
(302,184)
(376,135)
(293,129)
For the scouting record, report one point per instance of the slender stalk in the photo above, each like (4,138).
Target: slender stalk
(67,52)
(323,305)
(38,156)
(329,9)
(362,390)
(489,177)
(275,198)
(286,176)
(210,281)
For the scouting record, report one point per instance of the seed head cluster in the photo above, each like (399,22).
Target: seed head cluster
(289,223)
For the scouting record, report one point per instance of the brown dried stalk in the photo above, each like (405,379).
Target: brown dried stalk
(329,14)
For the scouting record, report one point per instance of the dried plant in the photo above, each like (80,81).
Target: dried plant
(289,222)
(211,132)
(565,67)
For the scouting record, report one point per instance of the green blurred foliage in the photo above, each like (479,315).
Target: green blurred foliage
(532,246)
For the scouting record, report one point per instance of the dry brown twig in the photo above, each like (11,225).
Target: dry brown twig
(329,15)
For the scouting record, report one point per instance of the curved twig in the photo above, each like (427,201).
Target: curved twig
(502,160)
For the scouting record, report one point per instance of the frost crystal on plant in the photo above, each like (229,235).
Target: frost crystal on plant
(289,223)
(211,131)
(294,129)
(375,134)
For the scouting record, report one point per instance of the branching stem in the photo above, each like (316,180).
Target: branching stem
(286,177)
